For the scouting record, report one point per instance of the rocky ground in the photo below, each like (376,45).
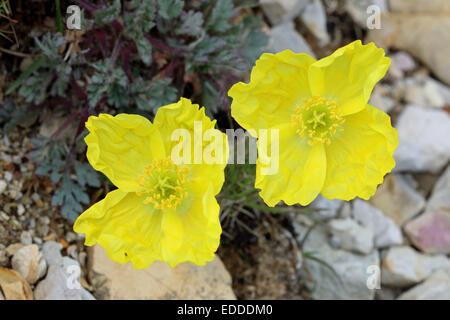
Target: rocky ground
(394,246)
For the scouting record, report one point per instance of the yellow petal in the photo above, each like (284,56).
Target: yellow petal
(129,230)
(349,75)
(121,146)
(278,82)
(185,115)
(301,171)
(360,156)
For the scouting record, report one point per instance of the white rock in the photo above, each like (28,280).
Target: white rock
(28,261)
(352,268)
(397,199)
(423,140)
(51,251)
(327,208)
(20,209)
(404,61)
(386,232)
(358,9)
(315,19)
(112,280)
(440,197)
(436,287)
(284,36)
(3,186)
(25,238)
(352,236)
(403,266)
(282,10)
(382,102)
(60,285)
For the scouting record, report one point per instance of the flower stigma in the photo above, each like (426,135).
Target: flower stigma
(317,120)
(163,184)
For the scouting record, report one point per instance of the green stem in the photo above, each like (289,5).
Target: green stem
(59,23)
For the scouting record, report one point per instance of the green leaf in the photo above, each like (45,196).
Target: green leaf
(108,14)
(144,49)
(191,24)
(170,9)
(223,10)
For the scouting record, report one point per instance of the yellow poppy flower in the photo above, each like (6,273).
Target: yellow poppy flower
(163,210)
(330,140)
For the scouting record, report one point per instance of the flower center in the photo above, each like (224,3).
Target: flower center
(317,120)
(163,184)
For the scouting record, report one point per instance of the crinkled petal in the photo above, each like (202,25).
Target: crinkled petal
(207,147)
(121,146)
(349,75)
(301,173)
(360,156)
(277,83)
(129,230)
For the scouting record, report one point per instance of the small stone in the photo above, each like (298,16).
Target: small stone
(404,61)
(14,287)
(72,251)
(8,176)
(71,237)
(351,268)
(13,248)
(3,186)
(381,101)
(386,233)
(28,261)
(397,199)
(327,208)
(20,209)
(315,19)
(185,281)
(51,251)
(25,238)
(423,140)
(284,36)
(440,197)
(403,266)
(58,285)
(346,211)
(352,236)
(436,287)
(358,10)
(282,10)
(430,232)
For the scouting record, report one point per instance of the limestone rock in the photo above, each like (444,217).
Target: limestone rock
(51,251)
(403,266)
(428,42)
(420,6)
(436,287)
(358,9)
(423,140)
(327,208)
(351,235)
(430,232)
(440,197)
(14,287)
(352,269)
(386,233)
(397,199)
(315,19)
(28,261)
(112,280)
(284,36)
(59,284)
(282,10)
